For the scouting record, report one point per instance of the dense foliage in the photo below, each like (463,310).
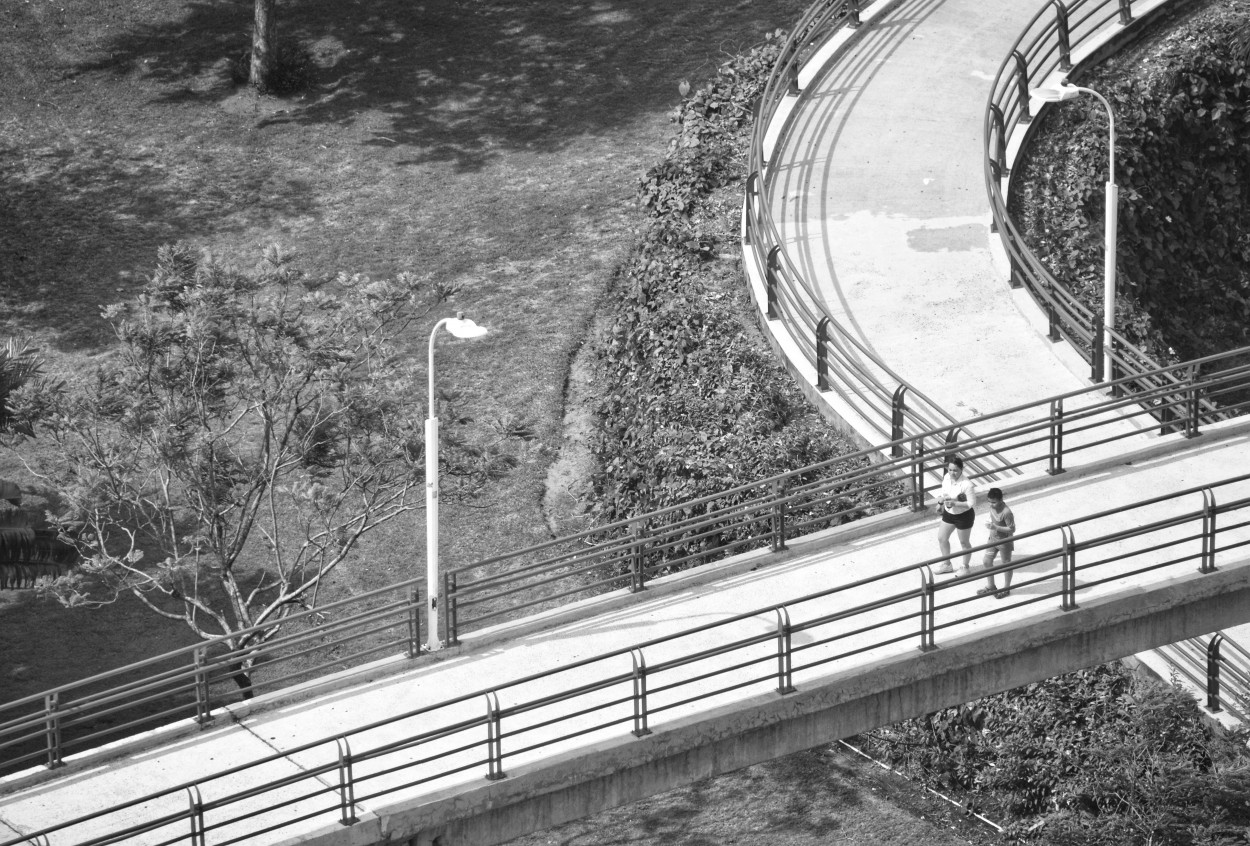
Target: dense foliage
(691,402)
(1102,756)
(1183,166)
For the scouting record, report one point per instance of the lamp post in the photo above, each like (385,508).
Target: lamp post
(1066,91)
(460,327)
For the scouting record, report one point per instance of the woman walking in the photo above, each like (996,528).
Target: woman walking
(957,502)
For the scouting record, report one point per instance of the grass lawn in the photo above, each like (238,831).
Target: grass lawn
(494,145)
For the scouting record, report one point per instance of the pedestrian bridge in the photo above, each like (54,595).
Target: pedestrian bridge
(1135,525)
(536,722)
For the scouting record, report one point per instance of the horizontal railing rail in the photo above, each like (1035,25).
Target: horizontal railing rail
(1046,46)
(607,698)
(195,681)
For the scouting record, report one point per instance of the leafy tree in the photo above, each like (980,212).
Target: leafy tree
(247,432)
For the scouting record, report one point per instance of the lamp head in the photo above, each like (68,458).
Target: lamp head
(1055,93)
(462,327)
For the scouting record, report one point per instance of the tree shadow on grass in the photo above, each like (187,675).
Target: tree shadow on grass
(459,81)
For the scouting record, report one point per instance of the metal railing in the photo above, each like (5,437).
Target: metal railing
(626,692)
(1046,45)
(1218,666)
(1043,435)
(195,681)
(842,363)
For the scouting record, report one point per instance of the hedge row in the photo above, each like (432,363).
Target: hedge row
(692,402)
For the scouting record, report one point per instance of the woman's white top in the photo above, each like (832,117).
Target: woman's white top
(952,488)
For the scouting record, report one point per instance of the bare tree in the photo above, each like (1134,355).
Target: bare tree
(249,429)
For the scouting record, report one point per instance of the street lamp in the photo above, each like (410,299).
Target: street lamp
(460,327)
(1066,91)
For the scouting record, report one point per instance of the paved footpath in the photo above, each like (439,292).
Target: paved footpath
(880,193)
(884,543)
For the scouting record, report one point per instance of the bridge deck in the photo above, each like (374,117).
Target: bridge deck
(841,558)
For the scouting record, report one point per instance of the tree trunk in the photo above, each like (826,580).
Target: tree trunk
(262,44)
(240,672)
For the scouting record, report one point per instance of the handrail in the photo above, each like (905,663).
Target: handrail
(1217,665)
(844,364)
(444,743)
(195,681)
(1046,46)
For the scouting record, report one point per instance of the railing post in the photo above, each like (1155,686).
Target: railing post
(852,14)
(347,784)
(1096,354)
(792,74)
(779,516)
(1126,12)
(753,187)
(1022,86)
(917,474)
(196,816)
(785,674)
(453,611)
(1052,323)
(414,623)
(927,610)
(1213,672)
(822,354)
(203,707)
(494,739)
(449,620)
(1193,406)
(770,280)
(898,408)
(637,563)
(640,693)
(1068,588)
(998,163)
(1063,34)
(52,728)
(1207,564)
(1056,437)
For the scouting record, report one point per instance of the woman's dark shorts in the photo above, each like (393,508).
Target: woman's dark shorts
(960,521)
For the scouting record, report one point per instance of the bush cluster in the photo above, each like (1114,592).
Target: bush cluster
(1183,166)
(1100,757)
(294,70)
(691,402)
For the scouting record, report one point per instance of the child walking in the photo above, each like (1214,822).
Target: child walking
(1002,525)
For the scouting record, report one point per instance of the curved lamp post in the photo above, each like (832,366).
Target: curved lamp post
(460,327)
(1057,94)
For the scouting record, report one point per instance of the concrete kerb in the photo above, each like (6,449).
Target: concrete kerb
(797,549)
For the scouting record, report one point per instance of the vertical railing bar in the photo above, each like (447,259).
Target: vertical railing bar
(198,837)
(1056,438)
(414,623)
(203,707)
(1207,564)
(640,693)
(1213,672)
(785,653)
(928,610)
(779,516)
(52,728)
(494,739)
(1068,584)
(347,784)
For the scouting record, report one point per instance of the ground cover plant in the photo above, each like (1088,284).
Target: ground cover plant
(1183,167)
(1101,756)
